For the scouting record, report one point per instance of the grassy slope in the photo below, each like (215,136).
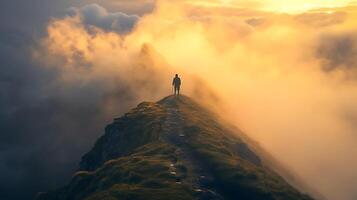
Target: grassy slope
(239,172)
(136,128)
(132,161)
(145,174)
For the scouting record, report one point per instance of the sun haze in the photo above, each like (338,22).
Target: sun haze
(283,71)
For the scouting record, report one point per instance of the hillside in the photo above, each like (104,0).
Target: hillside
(174,149)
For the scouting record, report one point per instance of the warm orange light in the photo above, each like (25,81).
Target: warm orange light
(291,6)
(295,6)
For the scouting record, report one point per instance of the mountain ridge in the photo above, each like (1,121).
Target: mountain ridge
(173,149)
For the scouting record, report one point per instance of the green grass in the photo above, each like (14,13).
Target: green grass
(140,126)
(143,174)
(238,171)
(132,161)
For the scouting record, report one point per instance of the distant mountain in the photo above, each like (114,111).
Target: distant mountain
(171,150)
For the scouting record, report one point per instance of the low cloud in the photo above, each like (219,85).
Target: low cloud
(255,21)
(95,15)
(56,102)
(57,93)
(338,51)
(322,19)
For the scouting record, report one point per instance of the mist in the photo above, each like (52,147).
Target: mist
(287,84)
(287,80)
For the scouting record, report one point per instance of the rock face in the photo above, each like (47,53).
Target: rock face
(174,149)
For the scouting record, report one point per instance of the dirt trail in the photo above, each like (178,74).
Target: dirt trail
(195,173)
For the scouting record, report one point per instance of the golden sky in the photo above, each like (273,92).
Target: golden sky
(288,6)
(302,5)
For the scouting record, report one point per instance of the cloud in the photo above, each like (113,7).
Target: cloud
(58,92)
(256,21)
(271,83)
(338,51)
(46,123)
(269,80)
(95,15)
(137,7)
(321,19)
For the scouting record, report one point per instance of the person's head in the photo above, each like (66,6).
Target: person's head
(176,75)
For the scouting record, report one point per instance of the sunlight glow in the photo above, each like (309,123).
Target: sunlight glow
(296,6)
(283,6)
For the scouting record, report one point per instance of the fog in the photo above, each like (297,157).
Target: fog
(287,80)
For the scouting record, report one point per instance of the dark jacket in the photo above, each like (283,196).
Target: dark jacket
(176,82)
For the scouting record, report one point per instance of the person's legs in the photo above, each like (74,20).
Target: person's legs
(178,90)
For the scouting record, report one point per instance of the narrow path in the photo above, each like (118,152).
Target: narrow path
(194,173)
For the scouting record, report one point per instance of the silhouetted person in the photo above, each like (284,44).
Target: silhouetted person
(176,83)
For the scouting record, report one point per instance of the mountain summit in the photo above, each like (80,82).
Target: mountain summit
(171,150)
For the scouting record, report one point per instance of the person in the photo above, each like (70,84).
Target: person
(176,83)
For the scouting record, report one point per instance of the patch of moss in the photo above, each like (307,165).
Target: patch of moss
(140,175)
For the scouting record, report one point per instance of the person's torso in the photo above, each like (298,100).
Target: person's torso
(177,81)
